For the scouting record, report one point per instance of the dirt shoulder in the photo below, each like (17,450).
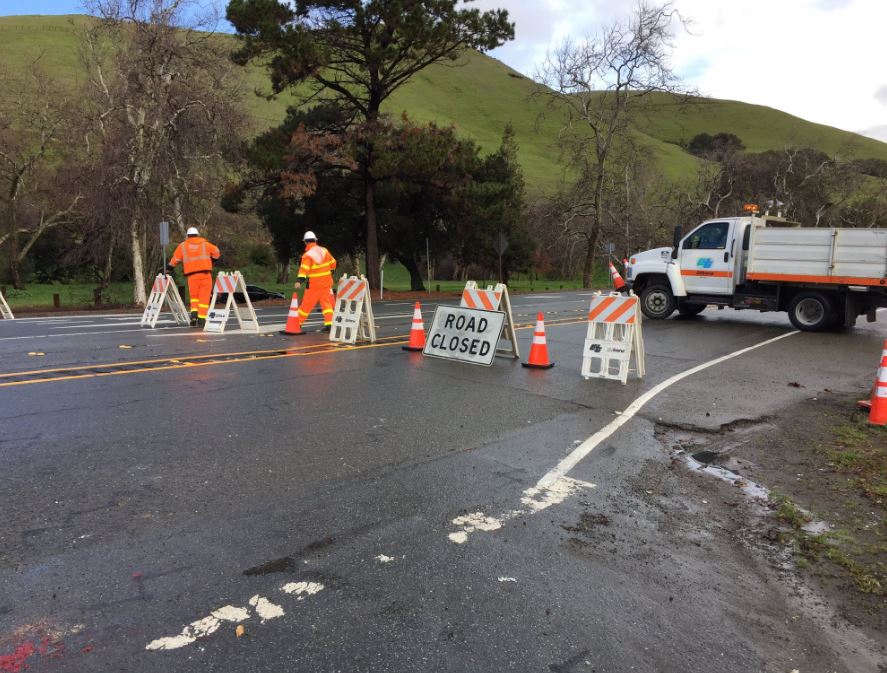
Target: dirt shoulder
(825,522)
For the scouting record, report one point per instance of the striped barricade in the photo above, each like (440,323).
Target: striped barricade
(164,292)
(353,312)
(217,318)
(614,331)
(493,299)
(5,311)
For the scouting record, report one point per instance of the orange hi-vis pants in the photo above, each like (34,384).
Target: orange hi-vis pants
(200,287)
(317,293)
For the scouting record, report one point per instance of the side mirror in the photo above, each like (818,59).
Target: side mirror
(676,241)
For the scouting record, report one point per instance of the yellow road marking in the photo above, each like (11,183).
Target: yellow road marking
(242,356)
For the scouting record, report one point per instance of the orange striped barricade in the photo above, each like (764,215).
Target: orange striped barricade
(353,313)
(217,318)
(614,330)
(5,311)
(493,299)
(164,291)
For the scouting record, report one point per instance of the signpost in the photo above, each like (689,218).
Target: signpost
(164,241)
(500,246)
(464,334)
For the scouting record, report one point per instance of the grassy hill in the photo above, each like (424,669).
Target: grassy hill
(480,95)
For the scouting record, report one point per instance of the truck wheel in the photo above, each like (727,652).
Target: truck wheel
(689,310)
(657,301)
(811,311)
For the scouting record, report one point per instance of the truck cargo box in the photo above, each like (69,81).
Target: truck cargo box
(808,255)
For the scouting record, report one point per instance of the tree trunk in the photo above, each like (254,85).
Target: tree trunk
(412,266)
(283,271)
(138,262)
(177,215)
(372,242)
(14,276)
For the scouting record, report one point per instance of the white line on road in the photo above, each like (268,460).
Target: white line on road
(555,485)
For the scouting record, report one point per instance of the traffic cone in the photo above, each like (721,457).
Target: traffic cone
(293,323)
(618,283)
(539,349)
(417,332)
(878,413)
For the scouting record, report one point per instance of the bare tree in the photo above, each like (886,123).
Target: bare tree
(601,81)
(162,103)
(34,134)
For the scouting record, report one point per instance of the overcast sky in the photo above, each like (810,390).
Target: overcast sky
(822,60)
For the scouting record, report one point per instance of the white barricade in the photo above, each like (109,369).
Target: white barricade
(164,291)
(614,331)
(493,299)
(353,312)
(5,311)
(217,318)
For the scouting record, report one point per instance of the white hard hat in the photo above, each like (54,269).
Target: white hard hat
(192,231)
(309,236)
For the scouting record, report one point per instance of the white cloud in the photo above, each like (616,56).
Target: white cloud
(812,58)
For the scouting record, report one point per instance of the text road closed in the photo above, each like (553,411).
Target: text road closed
(464,334)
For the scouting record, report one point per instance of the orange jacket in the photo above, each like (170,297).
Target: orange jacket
(196,254)
(317,266)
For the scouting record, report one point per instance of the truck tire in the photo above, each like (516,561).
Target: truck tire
(811,311)
(689,310)
(657,301)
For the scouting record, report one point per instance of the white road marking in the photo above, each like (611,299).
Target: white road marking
(302,589)
(555,486)
(507,579)
(200,629)
(265,608)
(381,558)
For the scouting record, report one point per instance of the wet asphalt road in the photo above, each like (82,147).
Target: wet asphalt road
(136,504)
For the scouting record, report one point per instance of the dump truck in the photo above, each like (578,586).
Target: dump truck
(823,277)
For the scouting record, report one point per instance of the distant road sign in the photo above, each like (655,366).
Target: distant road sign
(164,233)
(464,334)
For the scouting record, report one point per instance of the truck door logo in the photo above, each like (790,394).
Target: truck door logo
(705,262)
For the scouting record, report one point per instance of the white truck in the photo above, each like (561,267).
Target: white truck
(822,277)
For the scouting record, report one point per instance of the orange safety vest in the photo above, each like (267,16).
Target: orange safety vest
(317,264)
(196,254)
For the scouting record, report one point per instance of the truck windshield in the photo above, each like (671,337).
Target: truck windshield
(712,236)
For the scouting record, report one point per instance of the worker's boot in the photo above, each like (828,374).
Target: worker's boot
(193,318)
(201,322)
(327,328)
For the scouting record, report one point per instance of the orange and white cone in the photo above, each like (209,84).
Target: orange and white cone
(539,349)
(293,322)
(878,413)
(417,332)
(618,283)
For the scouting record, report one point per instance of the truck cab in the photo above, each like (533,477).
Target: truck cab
(826,277)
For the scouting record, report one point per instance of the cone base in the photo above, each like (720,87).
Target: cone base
(864,404)
(283,331)
(415,349)
(532,366)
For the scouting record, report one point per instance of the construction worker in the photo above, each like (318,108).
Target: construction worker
(197,255)
(316,272)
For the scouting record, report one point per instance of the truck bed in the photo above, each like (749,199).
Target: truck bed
(808,255)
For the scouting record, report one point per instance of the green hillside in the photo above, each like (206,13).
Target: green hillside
(481,95)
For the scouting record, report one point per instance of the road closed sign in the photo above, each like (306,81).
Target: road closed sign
(464,334)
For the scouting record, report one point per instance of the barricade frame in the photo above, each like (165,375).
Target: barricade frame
(245,316)
(609,346)
(5,311)
(353,318)
(502,303)
(168,294)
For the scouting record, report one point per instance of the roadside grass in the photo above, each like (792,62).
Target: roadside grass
(857,451)
(397,279)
